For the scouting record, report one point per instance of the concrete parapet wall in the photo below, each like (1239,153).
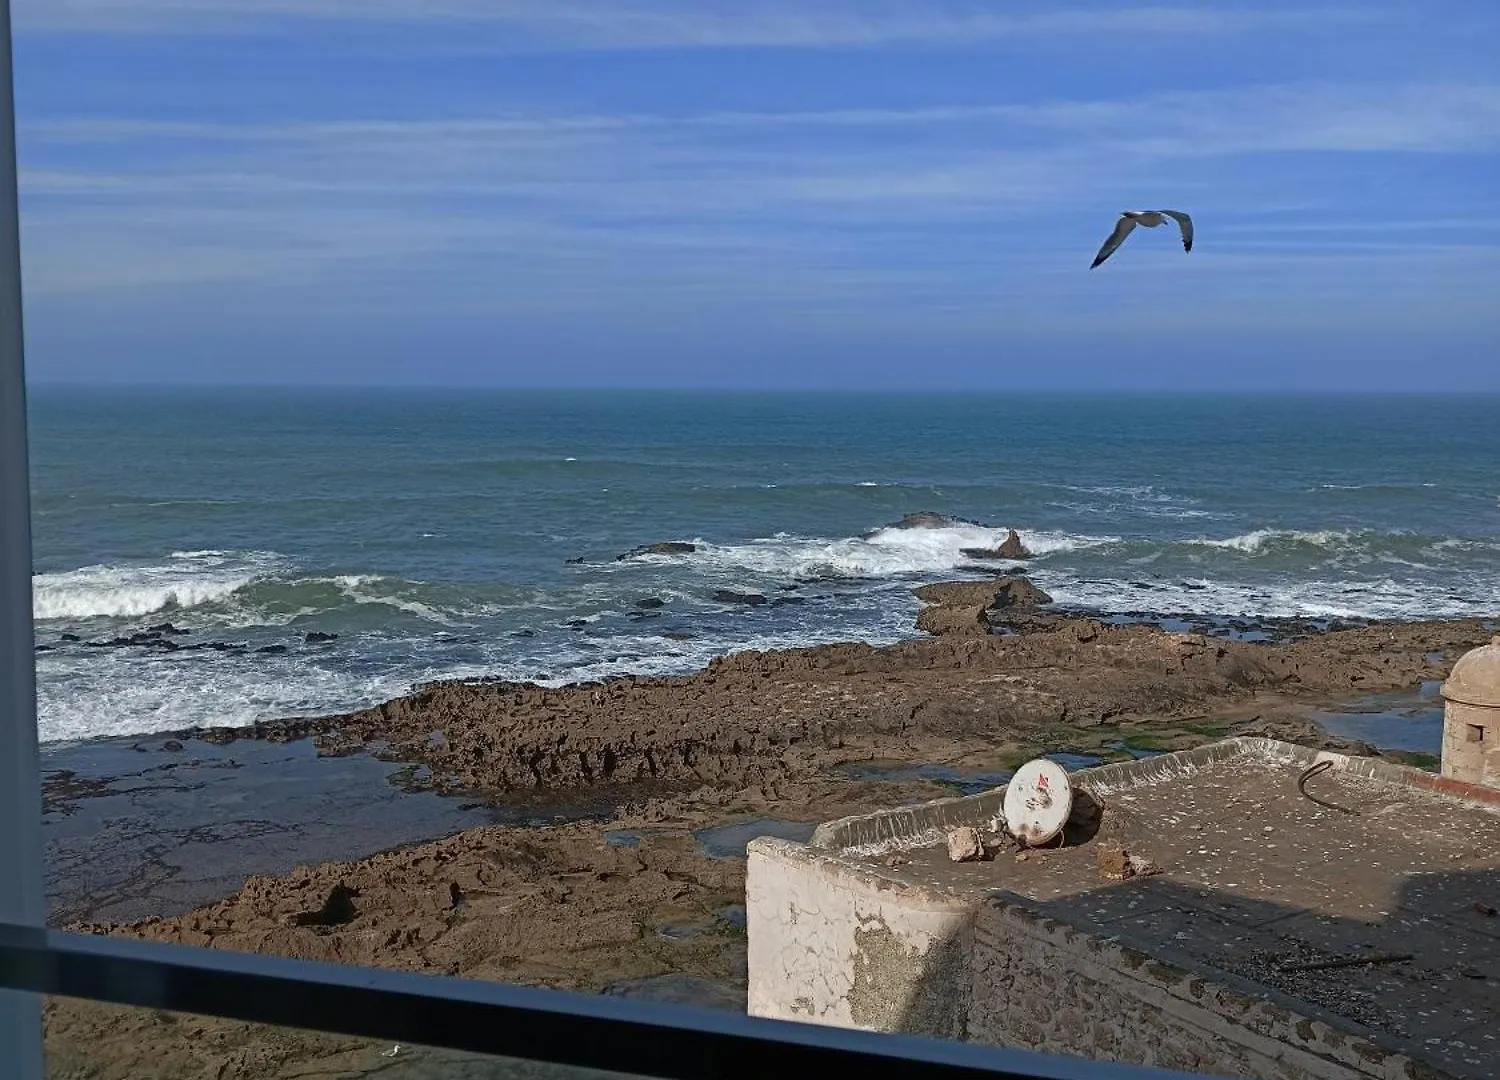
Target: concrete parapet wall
(832,944)
(928,823)
(836,938)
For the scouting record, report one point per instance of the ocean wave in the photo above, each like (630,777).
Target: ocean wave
(1345,547)
(249,589)
(885,553)
(105,591)
(1384,598)
(1263,540)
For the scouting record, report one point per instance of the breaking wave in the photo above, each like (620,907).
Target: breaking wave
(190,580)
(885,553)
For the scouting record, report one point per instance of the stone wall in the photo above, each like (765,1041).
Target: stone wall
(1037,984)
(1471,744)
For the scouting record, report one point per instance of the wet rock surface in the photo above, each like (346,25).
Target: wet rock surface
(757,717)
(676,773)
(669,547)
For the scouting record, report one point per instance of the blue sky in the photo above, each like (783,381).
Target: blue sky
(770,193)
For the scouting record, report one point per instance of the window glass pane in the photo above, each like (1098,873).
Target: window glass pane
(449,554)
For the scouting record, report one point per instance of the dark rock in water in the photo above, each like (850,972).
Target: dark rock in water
(925,519)
(966,607)
(576,560)
(317,637)
(147,638)
(578,624)
(670,547)
(781,601)
(677,635)
(1010,548)
(225,646)
(639,615)
(271,649)
(1019,592)
(524,633)
(68,637)
(729,596)
(165,628)
(172,746)
(981,594)
(650,602)
(791,588)
(44,648)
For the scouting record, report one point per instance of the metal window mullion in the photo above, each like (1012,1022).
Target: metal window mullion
(21,897)
(636,1038)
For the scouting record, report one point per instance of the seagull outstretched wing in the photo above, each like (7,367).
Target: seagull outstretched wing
(1185,223)
(1116,238)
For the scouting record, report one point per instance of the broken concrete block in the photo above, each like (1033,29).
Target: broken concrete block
(965,844)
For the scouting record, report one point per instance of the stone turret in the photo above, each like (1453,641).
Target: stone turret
(1471,717)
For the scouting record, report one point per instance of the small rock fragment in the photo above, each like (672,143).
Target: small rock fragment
(1113,862)
(896,861)
(965,844)
(1141,866)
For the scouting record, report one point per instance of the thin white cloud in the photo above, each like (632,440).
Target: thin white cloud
(1312,116)
(614,24)
(526,213)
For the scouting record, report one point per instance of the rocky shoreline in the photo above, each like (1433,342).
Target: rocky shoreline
(644,895)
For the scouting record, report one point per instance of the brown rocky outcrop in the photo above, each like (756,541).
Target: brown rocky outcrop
(1009,548)
(752,718)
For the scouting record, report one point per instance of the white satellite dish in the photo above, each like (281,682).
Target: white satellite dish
(1038,800)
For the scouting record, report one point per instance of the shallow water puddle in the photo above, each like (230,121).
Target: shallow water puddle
(679,989)
(967,781)
(157,827)
(730,841)
(1410,720)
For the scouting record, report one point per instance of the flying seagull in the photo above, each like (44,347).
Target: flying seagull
(1149,218)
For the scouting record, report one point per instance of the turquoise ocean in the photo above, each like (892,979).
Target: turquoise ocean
(443,534)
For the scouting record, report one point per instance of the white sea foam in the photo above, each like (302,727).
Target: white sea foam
(192,579)
(381,654)
(885,553)
(113,694)
(1387,598)
(1261,540)
(358,588)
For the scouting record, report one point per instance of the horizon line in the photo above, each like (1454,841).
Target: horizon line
(463,387)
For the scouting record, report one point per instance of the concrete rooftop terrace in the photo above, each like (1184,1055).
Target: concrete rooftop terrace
(1253,875)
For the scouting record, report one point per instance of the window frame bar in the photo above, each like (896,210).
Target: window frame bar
(22,900)
(586,1031)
